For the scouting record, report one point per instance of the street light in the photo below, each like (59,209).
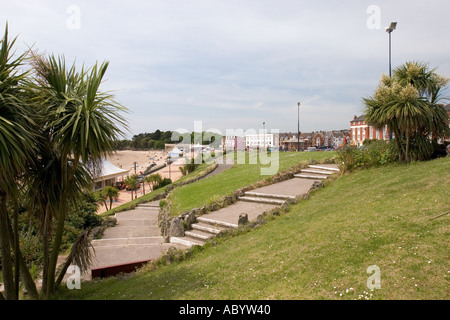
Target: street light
(298,127)
(389,30)
(264,133)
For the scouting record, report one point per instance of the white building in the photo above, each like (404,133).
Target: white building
(107,174)
(254,141)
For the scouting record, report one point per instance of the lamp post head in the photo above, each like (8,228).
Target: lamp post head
(392,27)
(298,103)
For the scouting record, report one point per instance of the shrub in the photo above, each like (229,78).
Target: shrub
(189,167)
(372,153)
(164,182)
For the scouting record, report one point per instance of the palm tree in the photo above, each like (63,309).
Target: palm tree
(82,125)
(132,181)
(411,113)
(408,103)
(153,180)
(44,181)
(16,147)
(378,114)
(110,193)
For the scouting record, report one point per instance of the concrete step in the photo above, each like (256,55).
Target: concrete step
(137,214)
(149,205)
(325,167)
(136,222)
(310,176)
(206,228)
(199,235)
(127,241)
(217,223)
(116,255)
(269,195)
(186,241)
(131,232)
(262,200)
(319,171)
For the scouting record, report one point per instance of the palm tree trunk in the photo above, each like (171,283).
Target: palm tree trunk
(408,141)
(5,252)
(51,274)
(27,280)
(62,214)
(408,158)
(398,140)
(45,246)
(15,234)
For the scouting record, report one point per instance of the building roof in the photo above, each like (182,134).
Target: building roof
(447,107)
(360,118)
(108,171)
(175,152)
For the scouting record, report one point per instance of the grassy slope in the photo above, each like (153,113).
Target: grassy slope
(241,175)
(322,247)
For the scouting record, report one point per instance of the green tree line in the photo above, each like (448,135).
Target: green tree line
(144,141)
(156,140)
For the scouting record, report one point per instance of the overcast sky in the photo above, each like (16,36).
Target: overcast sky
(235,64)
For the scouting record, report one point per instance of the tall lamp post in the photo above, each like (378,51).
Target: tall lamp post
(264,134)
(389,30)
(298,126)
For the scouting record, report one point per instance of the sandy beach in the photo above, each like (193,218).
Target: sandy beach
(125,159)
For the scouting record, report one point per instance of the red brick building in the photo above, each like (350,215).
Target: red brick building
(360,131)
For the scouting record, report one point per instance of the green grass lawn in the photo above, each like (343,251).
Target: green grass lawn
(322,247)
(239,176)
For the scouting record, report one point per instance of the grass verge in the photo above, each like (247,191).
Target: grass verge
(322,247)
(240,175)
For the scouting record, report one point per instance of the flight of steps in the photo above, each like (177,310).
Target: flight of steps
(149,205)
(205,229)
(135,235)
(317,172)
(276,199)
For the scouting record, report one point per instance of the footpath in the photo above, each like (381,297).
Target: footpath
(137,237)
(253,204)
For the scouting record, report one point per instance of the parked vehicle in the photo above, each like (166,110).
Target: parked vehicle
(120,185)
(310,149)
(128,187)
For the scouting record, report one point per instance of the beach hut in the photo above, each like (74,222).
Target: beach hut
(175,153)
(107,174)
